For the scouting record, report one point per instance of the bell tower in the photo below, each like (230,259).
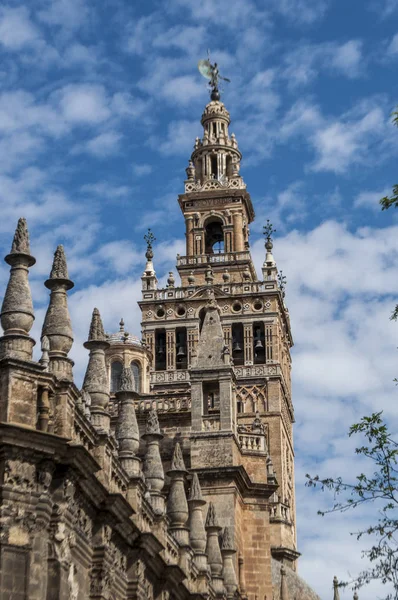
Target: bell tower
(252,380)
(216,206)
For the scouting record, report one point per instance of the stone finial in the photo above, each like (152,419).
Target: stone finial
(211,518)
(227,551)
(126,380)
(153,467)
(226,276)
(196,492)
(121,325)
(336,595)
(59,269)
(177,462)
(170,280)
(57,325)
(284,593)
(197,533)
(355,597)
(213,550)
(209,276)
(96,332)
(17,314)
(227,539)
(177,506)
(127,432)
(149,281)
(20,243)
(152,423)
(191,278)
(45,347)
(96,378)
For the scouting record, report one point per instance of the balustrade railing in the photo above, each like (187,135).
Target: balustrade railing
(252,443)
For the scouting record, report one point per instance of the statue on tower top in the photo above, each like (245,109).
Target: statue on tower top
(211,72)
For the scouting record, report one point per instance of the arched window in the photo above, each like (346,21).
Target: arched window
(214,236)
(136,375)
(116,371)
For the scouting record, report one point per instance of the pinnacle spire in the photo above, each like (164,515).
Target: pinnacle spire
(20,243)
(17,314)
(196,492)
(96,332)
(336,595)
(96,378)
(126,380)
(57,325)
(59,269)
(177,462)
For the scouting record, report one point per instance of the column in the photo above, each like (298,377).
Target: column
(171,348)
(248,343)
(239,245)
(189,236)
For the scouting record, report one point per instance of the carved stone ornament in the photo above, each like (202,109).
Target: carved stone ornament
(20,243)
(20,475)
(152,424)
(59,268)
(96,332)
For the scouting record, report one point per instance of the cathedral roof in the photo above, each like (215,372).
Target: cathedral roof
(297,587)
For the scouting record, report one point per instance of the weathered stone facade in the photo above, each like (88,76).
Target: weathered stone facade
(170,475)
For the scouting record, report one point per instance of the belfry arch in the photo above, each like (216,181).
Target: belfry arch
(214,235)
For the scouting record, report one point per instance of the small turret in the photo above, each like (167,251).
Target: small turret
(96,377)
(17,314)
(57,324)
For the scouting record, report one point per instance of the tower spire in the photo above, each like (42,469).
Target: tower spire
(149,281)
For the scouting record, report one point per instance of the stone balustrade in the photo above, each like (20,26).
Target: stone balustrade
(252,443)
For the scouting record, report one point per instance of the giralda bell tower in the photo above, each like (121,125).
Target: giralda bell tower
(228,400)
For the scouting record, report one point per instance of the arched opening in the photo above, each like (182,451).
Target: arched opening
(214,236)
(229,166)
(181,348)
(259,343)
(160,350)
(213,166)
(136,371)
(116,372)
(237,344)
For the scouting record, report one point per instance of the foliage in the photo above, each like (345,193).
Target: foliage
(382,489)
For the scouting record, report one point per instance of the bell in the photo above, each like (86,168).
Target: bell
(258,345)
(236,347)
(160,350)
(181,352)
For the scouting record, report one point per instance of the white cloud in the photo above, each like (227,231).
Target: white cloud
(179,139)
(16,29)
(83,103)
(393,45)
(302,11)
(69,14)
(347,58)
(140,170)
(101,146)
(370,199)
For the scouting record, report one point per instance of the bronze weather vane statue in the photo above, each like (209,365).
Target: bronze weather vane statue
(212,73)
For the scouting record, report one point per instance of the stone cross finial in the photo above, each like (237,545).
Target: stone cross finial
(96,332)
(126,380)
(59,269)
(20,243)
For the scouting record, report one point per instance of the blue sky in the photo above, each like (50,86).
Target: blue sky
(100,103)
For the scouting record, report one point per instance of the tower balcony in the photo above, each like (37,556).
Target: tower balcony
(213,259)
